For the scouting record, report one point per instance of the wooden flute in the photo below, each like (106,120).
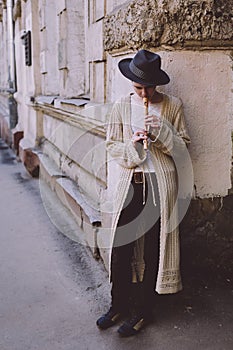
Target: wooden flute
(145,103)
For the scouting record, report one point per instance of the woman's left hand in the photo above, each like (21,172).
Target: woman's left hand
(152,121)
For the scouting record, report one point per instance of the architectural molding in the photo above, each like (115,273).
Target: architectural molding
(92,126)
(181,23)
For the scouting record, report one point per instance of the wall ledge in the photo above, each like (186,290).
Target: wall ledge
(78,118)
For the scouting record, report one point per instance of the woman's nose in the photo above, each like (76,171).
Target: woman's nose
(144,93)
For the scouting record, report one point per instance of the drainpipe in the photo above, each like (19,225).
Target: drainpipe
(11,65)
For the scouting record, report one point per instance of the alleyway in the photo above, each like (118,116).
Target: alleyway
(52,290)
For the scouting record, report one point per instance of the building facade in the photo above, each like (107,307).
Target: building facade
(59,76)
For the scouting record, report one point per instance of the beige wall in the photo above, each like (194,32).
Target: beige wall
(71,48)
(3,52)
(48,41)
(28,77)
(95,50)
(204,82)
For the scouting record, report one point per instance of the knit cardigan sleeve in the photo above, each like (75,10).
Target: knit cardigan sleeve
(118,141)
(173,137)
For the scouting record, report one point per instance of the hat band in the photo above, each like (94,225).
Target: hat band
(138,72)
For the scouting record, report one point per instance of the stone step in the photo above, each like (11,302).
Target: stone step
(83,208)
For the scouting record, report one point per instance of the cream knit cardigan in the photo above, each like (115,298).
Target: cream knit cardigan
(167,148)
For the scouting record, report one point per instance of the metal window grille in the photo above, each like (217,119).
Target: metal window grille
(28,53)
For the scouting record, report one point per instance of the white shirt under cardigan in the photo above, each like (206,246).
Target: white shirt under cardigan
(137,123)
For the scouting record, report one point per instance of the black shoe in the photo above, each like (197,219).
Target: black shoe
(108,319)
(132,326)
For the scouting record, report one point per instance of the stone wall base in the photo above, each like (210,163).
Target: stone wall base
(207,239)
(16,137)
(29,158)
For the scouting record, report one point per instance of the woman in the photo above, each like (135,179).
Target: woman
(148,146)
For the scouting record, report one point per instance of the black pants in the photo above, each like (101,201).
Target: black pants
(126,295)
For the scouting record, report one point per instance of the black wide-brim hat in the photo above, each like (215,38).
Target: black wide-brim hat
(144,68)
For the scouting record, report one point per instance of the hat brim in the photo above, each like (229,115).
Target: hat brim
(160,78)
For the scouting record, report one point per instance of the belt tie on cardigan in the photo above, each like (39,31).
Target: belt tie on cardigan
(140,178)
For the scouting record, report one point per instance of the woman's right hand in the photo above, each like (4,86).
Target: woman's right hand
(139,136)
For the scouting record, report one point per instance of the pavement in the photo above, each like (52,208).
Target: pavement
(52,290)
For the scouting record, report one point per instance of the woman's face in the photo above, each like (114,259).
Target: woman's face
(144,91)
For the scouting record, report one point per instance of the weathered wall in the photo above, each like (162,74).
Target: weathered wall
(28,77)
(48,41)
(71,47)
(95,59)
(80,150)
(4,116)
(3,50)
(183,23)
